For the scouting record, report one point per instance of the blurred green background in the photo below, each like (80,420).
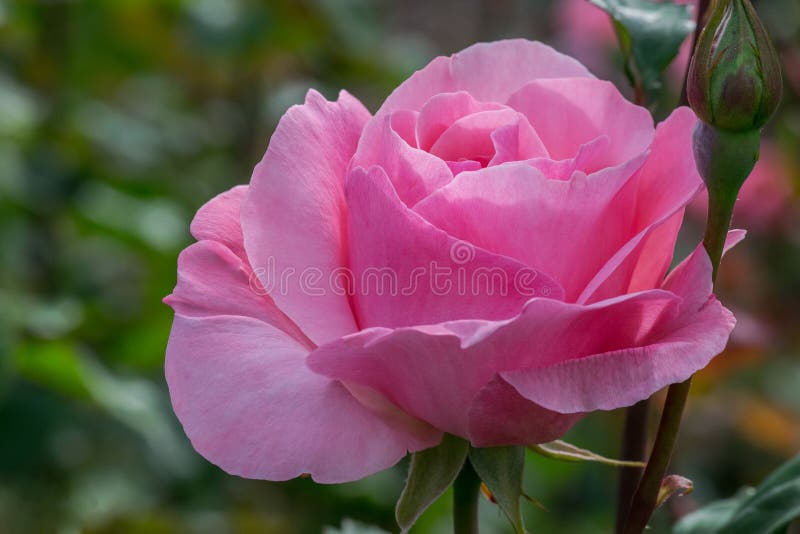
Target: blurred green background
(118,119)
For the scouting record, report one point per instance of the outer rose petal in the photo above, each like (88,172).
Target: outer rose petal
(656,198)
(212,281)
(395,255)
(488,71)
(501,416)
(219,220)
(249,404)
(436,373)
(619,378)
(294,213)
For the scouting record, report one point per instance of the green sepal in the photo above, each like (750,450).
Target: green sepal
(431,472)
(501,469)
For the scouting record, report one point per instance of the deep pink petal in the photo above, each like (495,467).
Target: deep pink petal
(249,404)
(294,215)
(500,416)
(408,272)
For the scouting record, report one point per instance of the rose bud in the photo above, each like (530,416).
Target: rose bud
(735,76)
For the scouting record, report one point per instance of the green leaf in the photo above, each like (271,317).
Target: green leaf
(432,471)
(710,519)
(501,469)
(774,505)
(650,36)
(765,510)
(561,450)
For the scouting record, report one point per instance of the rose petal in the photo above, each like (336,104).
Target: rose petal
(212,281)
(504,67)
(442,110)
(500,416)
(408,272)
(618,378)
(414,173)
(656,198)
(293,217)
(513,209)
(436,372)
(219,220)
(567,113)
(250,405)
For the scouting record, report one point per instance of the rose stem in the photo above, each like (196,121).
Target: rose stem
(644,499)
(634,447)
(466,490)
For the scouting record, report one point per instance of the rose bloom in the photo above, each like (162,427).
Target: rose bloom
(485,256)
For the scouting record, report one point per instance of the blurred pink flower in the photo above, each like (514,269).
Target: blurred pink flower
(485,256)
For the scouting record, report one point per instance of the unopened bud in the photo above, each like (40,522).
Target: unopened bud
(734,79)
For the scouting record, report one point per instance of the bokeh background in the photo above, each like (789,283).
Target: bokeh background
(118,119)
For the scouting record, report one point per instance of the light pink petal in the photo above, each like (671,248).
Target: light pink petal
(414,173)
(567,113)
(212,281)
(219,220)
(490,72)
(442,110)
(655,200)
(408,272)
(500,416)
(294,215)
(249,404)
(671,353)
(513,209)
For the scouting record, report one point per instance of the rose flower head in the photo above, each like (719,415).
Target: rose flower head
(486,256)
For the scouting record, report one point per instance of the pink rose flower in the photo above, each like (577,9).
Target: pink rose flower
(485,256)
